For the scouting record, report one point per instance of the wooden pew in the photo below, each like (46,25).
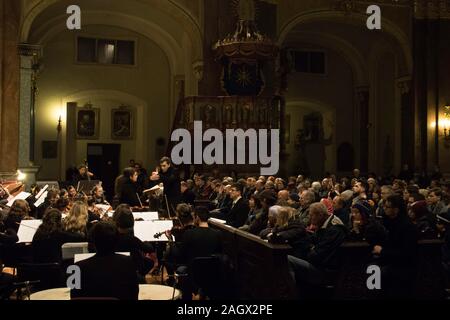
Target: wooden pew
(261,269)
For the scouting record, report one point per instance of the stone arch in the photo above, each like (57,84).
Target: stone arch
(328,15)
(179,13)
(344,48)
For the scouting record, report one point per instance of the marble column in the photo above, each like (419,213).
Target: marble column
(9,85)
(29,55)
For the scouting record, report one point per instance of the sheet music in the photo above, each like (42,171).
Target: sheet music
(146,216)
(27,229)
(41,199)
(42,191)
(83,256)
(145,230)
(21,196)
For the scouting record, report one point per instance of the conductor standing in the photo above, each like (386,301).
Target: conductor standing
(169,177)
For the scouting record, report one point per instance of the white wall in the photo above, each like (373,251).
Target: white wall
(148,81)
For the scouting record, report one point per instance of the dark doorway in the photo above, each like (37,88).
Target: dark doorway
(104,162)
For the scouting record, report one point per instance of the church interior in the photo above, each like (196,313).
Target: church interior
(356,91)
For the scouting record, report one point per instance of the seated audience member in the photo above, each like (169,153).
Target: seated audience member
(187,195)
(239,209)
(19,211)
(306,199)
(435,203)
(424,221)
(77,219)
(128,190)
(127,242)
(398,255)
(290,231)
(271,220)
(294,201)
(267,198)
(283,197)
(410,191)
(50,236)
(341,211)
(360,190)
(321,258)
(364,227)
(254,205)
(107,274)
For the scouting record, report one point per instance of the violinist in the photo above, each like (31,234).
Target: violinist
(98,195)
(141,252)
(173,255)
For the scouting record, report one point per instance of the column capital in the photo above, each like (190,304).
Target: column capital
(26,49)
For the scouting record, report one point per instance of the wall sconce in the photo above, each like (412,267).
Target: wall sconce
(444,126)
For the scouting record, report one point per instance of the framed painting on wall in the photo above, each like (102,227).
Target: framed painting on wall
(87,123)
(122,123)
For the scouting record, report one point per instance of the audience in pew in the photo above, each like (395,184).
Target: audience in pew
(313,217)
(398,253)
(321,258)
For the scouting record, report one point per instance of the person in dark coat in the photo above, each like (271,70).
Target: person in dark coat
(423,219)
(127,242)
(239,209)
(267,198)
(187,195)
(168,176)
(364,227)
(107,274)
(128,190)
(321,257)
(398,255)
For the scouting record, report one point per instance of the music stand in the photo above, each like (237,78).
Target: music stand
(87,185)
(51,184)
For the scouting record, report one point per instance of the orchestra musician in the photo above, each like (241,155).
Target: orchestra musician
(173,256)
(82,174)
(128,190)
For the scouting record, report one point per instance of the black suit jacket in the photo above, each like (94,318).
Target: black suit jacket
(128,194)
(110,276)
(172,188)
(238,213)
